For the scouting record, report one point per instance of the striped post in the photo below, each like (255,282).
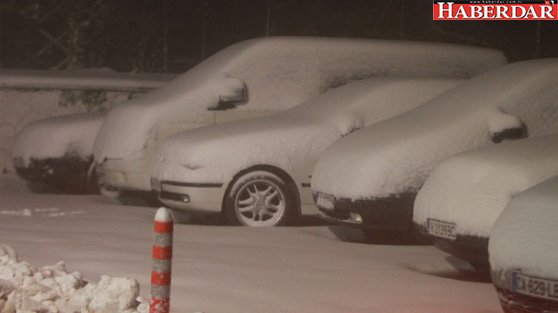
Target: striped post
(162,262)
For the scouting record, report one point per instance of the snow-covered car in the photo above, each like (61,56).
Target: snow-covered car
(257,172)
(255,78)
(523,250)
(59,151)
(370,179)
(462,199)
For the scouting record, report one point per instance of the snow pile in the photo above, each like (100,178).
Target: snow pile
(56,137)
(472,189)
(24,288)
(291,140)
(279,73)
(396,156)
(524,237)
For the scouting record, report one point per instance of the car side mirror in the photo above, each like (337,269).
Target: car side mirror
(505,126)
(509,134)
(232,94)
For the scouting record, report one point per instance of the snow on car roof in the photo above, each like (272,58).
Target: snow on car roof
(279,72)
(396,156)
(524,237)
(471,189)
(54,137)
(292,137)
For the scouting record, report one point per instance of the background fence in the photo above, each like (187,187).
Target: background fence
(174,35)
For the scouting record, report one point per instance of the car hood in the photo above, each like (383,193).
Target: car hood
(59,136)
(524,237)
(473,188)
(216,153)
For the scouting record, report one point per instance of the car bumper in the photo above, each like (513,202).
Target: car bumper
(393,213)
(515,302)
(56,171)
(119,176)
(473,249)
(196,197)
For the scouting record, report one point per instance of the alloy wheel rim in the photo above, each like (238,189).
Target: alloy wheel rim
(260,203)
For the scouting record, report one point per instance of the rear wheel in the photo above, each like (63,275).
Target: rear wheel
(109,192)
(481,267)
(383,236)
(259,198)
(91,185)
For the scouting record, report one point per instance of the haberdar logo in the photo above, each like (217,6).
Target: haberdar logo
(475,10)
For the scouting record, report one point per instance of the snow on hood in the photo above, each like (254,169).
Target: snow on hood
(24,288)
(396,156)
(471,189)
(59,136)
(279,72)
(524,237)
(292,139)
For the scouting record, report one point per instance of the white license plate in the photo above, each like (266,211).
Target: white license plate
(325,201)
(534,286)
(441,229)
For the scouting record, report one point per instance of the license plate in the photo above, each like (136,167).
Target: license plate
(325,201)
(441,229)
(535,286)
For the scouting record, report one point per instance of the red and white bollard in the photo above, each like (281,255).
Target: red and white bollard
(162,262)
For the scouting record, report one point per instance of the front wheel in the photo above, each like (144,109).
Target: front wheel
(259,198)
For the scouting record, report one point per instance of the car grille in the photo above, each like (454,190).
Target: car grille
(513,302)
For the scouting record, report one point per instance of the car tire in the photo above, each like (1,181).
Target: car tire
(259,198)
(384,236)
(109,192)
(480,267)
(415,237)
(91,185)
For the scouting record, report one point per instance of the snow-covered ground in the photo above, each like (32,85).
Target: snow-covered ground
(237,269)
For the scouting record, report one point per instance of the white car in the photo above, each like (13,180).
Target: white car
(257,77)
(461,200)
(369,179)
(523,250)
(257,172)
